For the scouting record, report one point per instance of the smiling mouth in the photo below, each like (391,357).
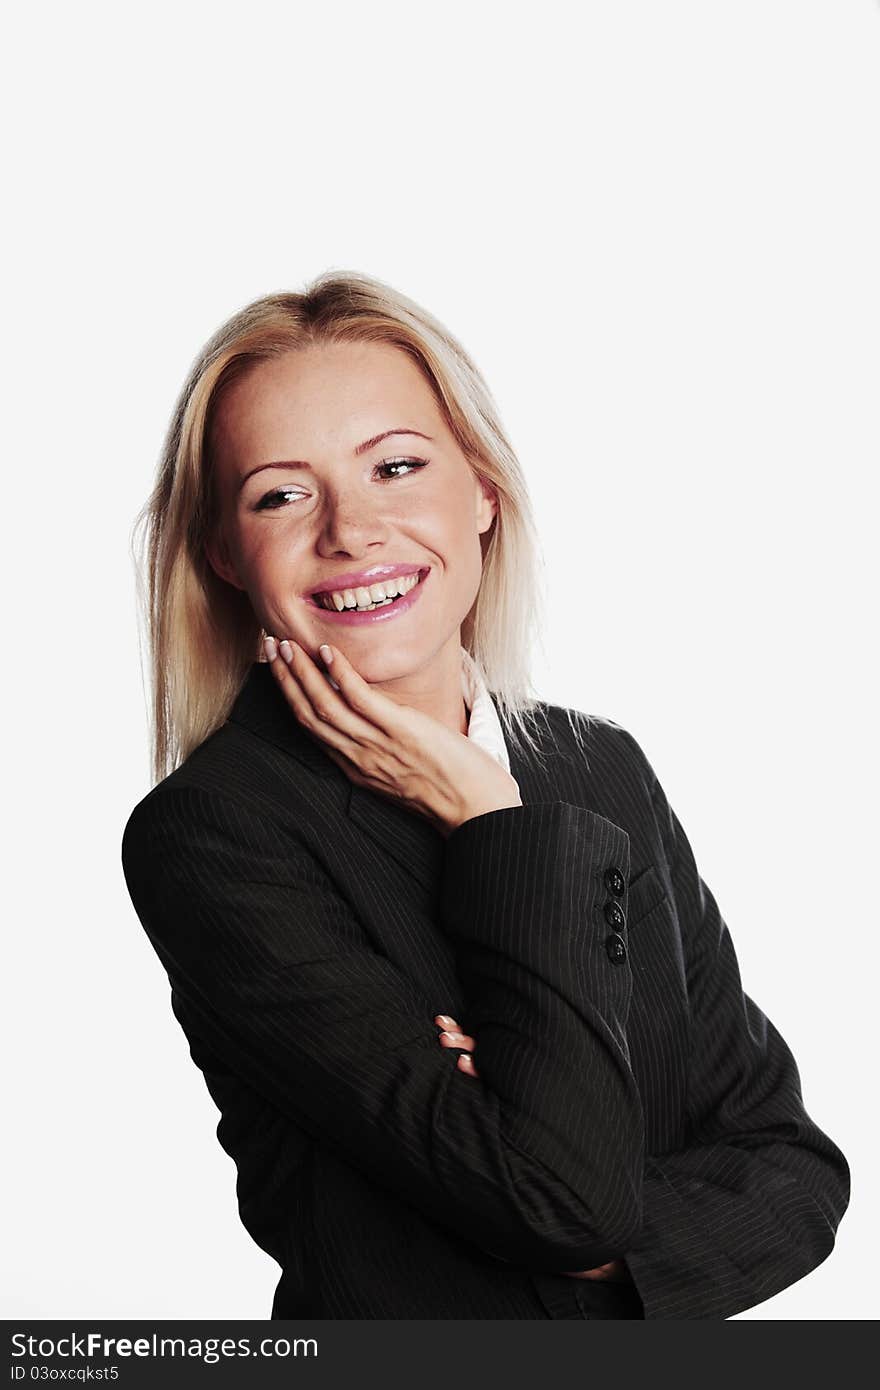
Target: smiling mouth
(365,599)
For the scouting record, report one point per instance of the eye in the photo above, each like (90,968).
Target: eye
(278,497)
(400,463)
(273,499)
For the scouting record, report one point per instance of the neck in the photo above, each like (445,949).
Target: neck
(435,688)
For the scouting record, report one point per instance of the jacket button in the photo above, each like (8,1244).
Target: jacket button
(616,947)
(614,915)
(614,881)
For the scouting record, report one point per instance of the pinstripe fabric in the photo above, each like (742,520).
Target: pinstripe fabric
(631,1102)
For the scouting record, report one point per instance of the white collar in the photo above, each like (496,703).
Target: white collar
(484,726)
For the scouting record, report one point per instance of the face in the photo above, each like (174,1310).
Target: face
(307,500)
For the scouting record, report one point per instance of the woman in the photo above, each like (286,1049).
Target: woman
(473,1021)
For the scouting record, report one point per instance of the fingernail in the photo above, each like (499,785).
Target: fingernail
(270,647)
(326,654)
(444,1019)
(286,651)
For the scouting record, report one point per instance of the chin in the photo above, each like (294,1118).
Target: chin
(380,657)
(378,667)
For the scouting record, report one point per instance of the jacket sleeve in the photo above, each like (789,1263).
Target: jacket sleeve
(540,1158)
(753,1201)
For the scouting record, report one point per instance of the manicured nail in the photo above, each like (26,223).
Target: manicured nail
(286,651)
(444,1019)
(326,654)
(270,647)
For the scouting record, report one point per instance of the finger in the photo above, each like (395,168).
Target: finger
(328,706)
(465,1061)
(448,1039)
(608,1271)
(324,732)
(448,1023)
(361,697)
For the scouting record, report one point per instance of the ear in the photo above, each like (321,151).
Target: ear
(487,504)
(220,560)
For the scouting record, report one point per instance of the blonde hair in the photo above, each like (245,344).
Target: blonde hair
(202,632)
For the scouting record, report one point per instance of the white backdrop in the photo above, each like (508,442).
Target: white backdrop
(655,227)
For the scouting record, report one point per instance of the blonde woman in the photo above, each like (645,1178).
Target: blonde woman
(473,1021)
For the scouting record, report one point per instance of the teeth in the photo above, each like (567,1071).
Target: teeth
(366,599)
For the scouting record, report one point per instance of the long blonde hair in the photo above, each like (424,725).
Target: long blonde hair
(203,635)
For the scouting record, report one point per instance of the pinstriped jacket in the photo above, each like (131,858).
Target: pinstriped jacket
(632,1101)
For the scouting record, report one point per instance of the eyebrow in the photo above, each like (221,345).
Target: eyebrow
(363,448)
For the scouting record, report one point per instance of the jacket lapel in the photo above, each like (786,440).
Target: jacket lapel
(262,707)
(403,834)
(410,839)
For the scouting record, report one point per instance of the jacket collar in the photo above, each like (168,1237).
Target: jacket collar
(262,707)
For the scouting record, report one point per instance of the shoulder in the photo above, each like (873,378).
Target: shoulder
(600,764)
(207,769)
(233,778)
(177,801)
(603,746)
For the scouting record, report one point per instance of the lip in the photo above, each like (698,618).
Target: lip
(349,617)
(355,579)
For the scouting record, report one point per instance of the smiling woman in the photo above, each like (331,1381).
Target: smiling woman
(314,427)
(288,530)
(472,1018)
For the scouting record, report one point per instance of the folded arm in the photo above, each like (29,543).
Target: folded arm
(540,1159)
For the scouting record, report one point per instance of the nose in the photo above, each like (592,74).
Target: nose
(350,526)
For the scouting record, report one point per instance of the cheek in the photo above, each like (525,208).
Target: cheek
(273,572)
(269,555)
(449,531)
(446,525)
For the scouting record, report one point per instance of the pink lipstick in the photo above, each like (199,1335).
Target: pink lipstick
(355,591)
(357,579)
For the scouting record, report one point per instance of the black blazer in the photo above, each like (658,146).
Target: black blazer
(631,1101)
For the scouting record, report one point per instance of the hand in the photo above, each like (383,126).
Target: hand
(452,1036)
(390,748)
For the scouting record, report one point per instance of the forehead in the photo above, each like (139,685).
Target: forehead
(322,397)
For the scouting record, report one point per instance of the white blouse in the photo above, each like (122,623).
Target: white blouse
(484,726)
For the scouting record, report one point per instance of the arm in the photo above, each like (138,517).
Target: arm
(540,1159)
(753,1202)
